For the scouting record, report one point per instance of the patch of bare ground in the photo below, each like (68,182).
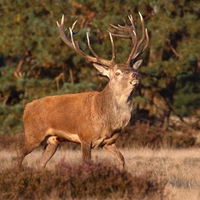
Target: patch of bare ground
(180,167)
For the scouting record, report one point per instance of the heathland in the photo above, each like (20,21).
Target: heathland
(170,171)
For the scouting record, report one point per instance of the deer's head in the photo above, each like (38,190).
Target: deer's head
(123,75)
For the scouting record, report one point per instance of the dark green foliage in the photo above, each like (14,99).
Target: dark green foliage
(99,181)
(34,62)
(187,99)
(11,119)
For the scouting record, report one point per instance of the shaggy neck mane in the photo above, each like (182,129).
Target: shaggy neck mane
(110,103)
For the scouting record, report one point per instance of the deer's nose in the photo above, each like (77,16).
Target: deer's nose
(135,75)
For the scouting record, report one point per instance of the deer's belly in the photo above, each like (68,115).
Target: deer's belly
(59,136)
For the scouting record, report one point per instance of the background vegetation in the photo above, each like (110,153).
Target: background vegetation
(34,62)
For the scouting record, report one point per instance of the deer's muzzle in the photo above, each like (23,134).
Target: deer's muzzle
(136,76)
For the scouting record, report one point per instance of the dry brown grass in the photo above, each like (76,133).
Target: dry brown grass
(181,168)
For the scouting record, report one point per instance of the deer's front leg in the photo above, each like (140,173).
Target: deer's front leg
(114,151)
(86,151)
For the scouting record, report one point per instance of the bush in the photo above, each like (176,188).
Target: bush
(143,135)
(99,181)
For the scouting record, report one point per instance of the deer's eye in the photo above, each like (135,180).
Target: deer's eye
(117,73)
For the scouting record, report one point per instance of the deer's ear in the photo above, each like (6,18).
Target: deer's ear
(137,64)
(102,70)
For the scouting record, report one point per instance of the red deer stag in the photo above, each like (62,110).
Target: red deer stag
(93,119)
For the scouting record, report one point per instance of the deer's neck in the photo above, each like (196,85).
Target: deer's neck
(120,99)
(115,106)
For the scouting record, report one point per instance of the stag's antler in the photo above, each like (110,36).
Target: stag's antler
(69,41)
(129,29)
(130,33)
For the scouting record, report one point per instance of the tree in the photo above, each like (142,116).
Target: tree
(34,62)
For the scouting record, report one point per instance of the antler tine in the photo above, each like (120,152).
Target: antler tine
(88,41)
(136,44)
(134,39)
(73,25)
(145,46)
(119,28)
(133,36)
(72,38)
(147,39)
(120,35)
(69,41)
(113,48)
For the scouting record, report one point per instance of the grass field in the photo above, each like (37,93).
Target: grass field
(179,168)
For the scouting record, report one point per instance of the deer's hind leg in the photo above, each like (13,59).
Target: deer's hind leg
(25,149)
(52,144)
